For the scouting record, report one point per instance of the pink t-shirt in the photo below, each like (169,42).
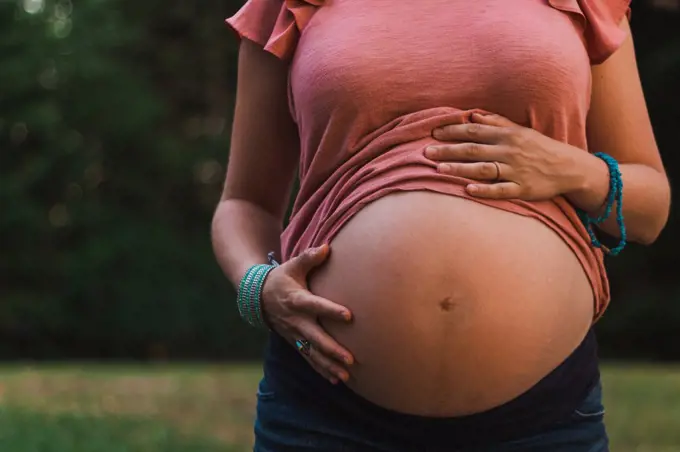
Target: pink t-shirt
(370,79)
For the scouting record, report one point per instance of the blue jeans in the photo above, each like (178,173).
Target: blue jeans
(284,425)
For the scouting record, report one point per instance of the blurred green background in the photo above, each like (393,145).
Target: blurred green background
(114,128)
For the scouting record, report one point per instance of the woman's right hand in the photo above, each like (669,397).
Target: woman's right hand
(293,312)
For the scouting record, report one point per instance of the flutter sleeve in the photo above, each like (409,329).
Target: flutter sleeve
(274,24)
(601,19)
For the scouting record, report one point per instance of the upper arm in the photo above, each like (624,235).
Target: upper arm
(264,142)
(618,120)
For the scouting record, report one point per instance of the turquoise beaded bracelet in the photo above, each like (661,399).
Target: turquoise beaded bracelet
(249,298)
(615,195)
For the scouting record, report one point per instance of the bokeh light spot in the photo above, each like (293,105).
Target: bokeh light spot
(34,6)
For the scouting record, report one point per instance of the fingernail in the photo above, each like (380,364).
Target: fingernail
(430,151)
(436,133)
(444,168)
(334,380)
(348,316)
(348,360)
(472,188)
(343,376)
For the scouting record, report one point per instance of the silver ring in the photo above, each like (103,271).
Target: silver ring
(303,346)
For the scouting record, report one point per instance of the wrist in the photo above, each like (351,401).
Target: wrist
(590,184)
(250,294)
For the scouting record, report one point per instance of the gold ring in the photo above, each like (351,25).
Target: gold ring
(498,171)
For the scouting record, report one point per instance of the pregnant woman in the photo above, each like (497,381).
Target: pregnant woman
(441,270)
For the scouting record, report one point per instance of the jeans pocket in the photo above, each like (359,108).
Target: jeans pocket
(591,408)
(264,390)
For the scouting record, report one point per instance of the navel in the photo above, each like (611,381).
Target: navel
(447,304)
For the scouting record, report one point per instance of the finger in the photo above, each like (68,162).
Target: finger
(465,152)
(318,366)
(323,343)
(477,171)
(501,190)
(309,259)
(492,120)
(307,302)
(474,132)
(321,371)
(327,367)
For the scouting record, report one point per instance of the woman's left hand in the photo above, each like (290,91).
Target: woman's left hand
(509,160)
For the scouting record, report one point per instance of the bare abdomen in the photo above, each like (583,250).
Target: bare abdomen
(458,307)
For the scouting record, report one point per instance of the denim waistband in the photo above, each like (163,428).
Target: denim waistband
(553,399)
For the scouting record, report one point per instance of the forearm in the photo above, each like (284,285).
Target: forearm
(242,235)
(646,197)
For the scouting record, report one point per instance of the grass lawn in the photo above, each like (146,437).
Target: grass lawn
(126,408)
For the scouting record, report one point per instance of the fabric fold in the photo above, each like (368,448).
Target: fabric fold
(393,161)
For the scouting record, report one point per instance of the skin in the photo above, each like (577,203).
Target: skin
(450,310)
(262,167)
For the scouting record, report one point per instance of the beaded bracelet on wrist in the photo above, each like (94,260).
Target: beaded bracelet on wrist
(249,297)
(614,196)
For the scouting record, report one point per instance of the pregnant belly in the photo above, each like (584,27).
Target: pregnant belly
(458,307)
